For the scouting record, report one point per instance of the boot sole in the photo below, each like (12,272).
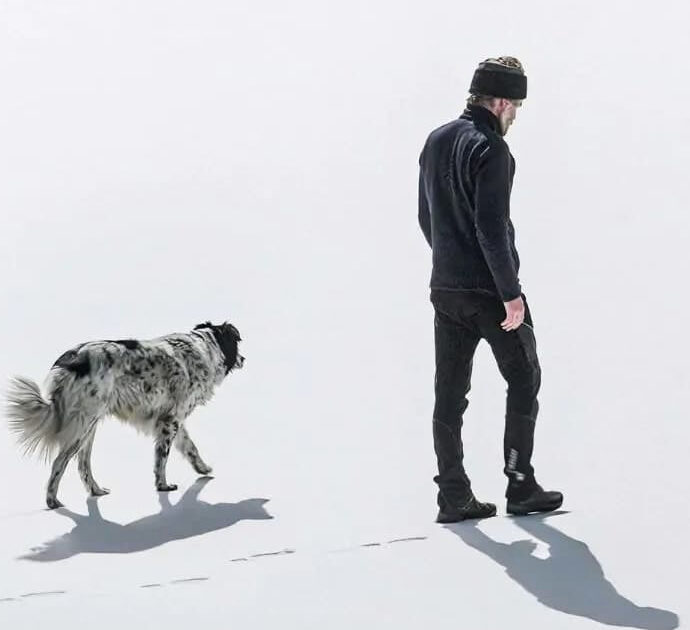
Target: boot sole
(458,518)
(521,510)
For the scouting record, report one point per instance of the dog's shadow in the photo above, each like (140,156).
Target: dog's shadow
(570,580)
(187,518)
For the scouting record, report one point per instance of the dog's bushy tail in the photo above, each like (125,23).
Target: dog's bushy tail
(33,419)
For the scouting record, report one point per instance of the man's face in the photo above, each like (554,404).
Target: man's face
(507,112)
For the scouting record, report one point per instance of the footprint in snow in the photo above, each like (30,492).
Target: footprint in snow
(273,553)
(42,593)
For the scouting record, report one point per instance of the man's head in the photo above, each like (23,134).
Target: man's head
(500,85)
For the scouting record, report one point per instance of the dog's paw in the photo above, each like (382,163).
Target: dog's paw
(166,487)
(99,492)
(53,503)
(204,469)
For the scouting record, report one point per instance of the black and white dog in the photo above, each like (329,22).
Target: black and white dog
(152,384)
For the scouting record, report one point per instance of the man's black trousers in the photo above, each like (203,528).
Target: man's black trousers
(462,319)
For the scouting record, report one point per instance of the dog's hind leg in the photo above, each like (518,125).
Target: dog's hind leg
(85,466)
(165,432)
(185,445)
(59,465)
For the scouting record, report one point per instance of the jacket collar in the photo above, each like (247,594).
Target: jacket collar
(481,115)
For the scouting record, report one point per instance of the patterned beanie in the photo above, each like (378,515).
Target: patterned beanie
(503,77)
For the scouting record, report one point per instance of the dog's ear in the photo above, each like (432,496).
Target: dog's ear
(204,325)
(229,329)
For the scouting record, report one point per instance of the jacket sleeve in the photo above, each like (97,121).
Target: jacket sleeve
(424,215)
(492,206)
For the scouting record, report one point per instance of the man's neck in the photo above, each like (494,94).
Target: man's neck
(487,116)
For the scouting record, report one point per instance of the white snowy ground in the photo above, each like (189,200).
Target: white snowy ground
(164,163)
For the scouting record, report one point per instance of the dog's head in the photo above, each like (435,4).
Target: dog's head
(227,337)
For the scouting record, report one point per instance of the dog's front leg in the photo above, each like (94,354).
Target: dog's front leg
(166,429)
(185,445)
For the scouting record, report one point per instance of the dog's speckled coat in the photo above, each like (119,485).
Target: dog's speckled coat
(153,384)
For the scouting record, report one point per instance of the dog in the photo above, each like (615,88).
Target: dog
(153,384)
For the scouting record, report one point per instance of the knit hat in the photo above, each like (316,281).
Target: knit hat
(503,77)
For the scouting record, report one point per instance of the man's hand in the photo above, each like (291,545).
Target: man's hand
(515,314)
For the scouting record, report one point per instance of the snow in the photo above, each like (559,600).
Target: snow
(163,164)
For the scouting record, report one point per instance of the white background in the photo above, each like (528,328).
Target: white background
(165,163)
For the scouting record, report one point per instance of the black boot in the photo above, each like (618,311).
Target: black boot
(469,508)
(529,496)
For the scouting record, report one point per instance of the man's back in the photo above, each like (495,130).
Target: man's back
(466,173)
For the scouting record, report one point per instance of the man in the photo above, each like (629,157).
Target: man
(466,175)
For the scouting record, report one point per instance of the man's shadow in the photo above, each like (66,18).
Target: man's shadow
(187,518)
(570,580)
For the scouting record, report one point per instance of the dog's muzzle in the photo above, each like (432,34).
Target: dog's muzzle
(240,362)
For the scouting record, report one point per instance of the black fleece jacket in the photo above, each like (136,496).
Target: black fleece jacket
(465,179)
